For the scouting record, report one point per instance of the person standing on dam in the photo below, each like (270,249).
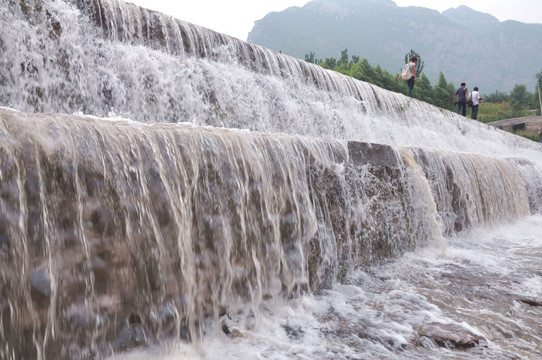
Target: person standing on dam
(475,98)
(409,74)
(460,98)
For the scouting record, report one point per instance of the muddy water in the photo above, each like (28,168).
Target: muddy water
(478,296)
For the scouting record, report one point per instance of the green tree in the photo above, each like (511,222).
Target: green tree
(385,80)
(331,63)
(539,80)
(519,97)
(496,97)
(363,71)
(344,58)
(310,57)
(423,90)
(443,93)
(538,92)
(419,65)
(343,65)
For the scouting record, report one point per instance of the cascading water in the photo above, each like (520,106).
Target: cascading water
(119,233)
(146,74)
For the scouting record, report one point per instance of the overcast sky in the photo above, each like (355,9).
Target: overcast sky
(237,17)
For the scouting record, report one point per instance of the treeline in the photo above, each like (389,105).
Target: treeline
(497,105)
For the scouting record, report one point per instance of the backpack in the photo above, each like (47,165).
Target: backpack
(405,73)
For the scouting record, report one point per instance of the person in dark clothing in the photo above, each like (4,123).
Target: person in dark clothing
(460,98)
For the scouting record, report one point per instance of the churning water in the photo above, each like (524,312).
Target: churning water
(170,192)
(476,293)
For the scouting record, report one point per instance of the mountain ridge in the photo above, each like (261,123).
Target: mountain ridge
(466,45)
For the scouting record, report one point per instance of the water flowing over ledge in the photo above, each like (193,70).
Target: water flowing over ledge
(109,58)
(129,228)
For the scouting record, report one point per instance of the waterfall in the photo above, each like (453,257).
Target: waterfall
(171,224)
(109,58)
(176,221)
(156,175)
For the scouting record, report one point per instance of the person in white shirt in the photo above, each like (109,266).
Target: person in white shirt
(476,98)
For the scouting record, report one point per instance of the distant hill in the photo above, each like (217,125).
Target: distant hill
(466,45)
